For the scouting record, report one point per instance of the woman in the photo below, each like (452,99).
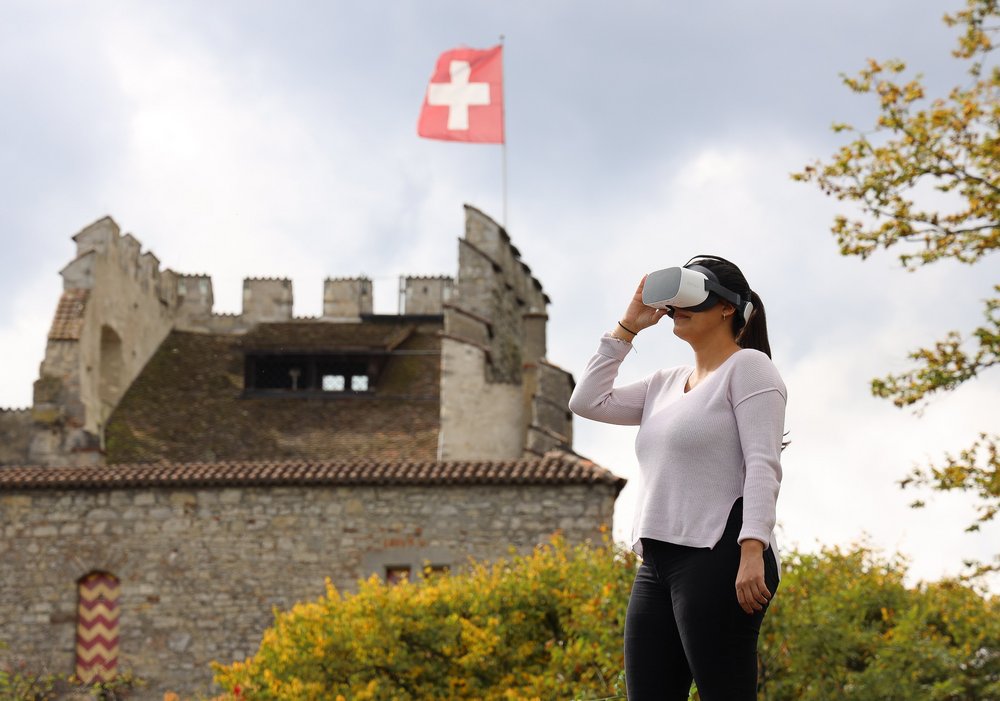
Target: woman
(708,448)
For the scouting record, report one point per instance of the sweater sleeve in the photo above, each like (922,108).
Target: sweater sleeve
(758,397)
(595,396)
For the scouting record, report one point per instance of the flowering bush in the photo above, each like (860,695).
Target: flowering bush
(844,625)
(546,625)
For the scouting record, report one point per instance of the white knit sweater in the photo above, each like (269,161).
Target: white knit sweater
(698,451)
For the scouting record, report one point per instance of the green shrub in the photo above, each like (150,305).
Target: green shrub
(845,626)
(20,683)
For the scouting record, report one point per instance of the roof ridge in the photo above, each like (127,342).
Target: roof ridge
(555,467)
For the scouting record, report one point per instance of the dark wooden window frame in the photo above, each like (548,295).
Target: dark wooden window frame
(265,373)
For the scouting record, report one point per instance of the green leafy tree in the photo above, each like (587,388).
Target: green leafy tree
(919,145)
(844,625)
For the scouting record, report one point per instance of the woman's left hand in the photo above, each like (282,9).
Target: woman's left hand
(751,591)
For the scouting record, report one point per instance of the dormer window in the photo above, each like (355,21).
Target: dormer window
(309,374)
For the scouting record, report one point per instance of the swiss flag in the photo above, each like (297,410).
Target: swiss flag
(464,101)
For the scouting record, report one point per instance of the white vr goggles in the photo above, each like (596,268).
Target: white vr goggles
(693,288)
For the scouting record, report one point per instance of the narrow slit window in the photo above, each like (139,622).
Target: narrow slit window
(394,574)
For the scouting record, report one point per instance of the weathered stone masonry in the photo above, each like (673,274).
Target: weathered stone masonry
(202,567)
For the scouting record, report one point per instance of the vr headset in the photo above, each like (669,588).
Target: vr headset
(693,288)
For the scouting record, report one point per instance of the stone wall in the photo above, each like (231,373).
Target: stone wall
(484,408)
(267,299)
(15,432)
(201,568)
(479,419)
(347,298)
(551,425)
(424,295)
(117,307)
(500,399)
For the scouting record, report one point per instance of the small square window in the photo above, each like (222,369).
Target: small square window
(434,570)
(334,383)
(394,574)
(359,383)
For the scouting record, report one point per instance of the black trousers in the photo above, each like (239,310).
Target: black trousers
(684,622)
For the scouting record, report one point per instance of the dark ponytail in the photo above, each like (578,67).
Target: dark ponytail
(754,333)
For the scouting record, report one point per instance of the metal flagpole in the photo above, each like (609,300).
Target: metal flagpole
(503,135)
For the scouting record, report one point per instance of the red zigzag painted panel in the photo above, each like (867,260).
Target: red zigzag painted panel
(97,628)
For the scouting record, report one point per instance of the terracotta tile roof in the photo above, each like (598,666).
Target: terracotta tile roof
(68,321)
(556,467)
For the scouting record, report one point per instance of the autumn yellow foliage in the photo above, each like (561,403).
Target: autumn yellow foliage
(546,625)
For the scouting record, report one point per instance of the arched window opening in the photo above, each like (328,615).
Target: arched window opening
(97,628)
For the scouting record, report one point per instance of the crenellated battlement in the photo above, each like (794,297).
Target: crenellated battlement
(15,434)
(267,299)
(491,241)
(195,296)
(190,297)
(118,305)
(347,297)
(104,241)
(494,329)
(425,294)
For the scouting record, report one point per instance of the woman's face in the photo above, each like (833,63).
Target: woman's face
(697,326)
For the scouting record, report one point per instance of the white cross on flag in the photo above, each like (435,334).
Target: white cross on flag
(464,100)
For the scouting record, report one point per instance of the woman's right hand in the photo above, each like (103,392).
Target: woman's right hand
(638,316)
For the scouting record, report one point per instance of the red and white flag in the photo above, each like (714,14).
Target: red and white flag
(464,100)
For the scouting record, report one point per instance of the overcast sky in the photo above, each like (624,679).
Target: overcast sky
(246,139)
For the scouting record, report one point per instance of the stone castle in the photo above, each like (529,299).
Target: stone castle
(177,465)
